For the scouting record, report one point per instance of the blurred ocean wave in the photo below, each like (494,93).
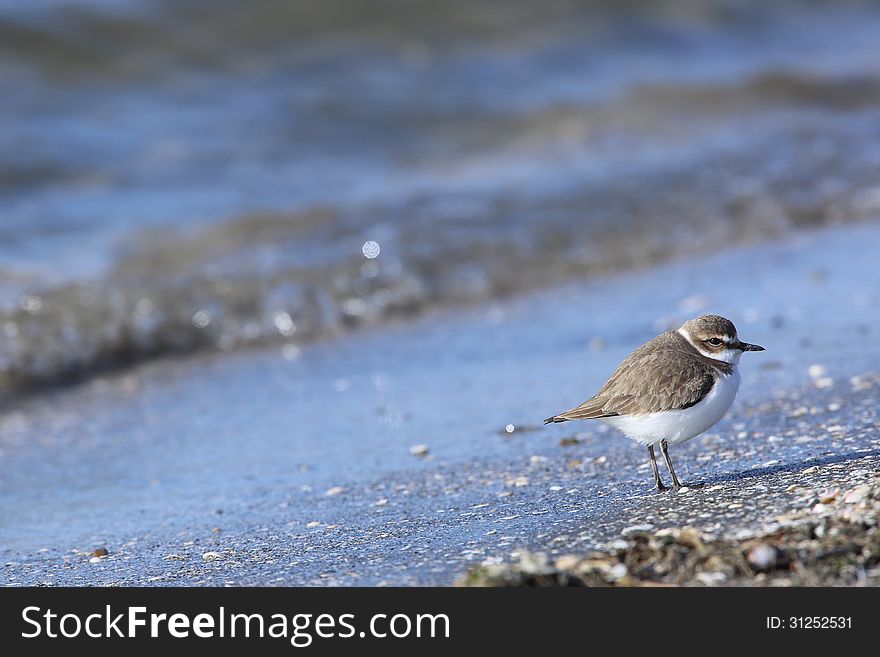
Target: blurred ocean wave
(185,175)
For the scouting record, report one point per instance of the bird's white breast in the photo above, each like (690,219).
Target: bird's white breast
(681,425)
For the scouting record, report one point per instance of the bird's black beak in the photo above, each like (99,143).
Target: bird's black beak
(745,346)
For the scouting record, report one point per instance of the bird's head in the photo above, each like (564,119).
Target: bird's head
(715,336)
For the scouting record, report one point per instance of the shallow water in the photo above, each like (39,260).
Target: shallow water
(165,453)
(185,175)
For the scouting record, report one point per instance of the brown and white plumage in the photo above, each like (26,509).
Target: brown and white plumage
(666,373)
(670,389)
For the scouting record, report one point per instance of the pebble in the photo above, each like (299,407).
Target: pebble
(762,557)
(828,495)
(212,556)
(711,579)
(857,494)
(618,571)
(567,562)
(335,490)
(422,450)
(817,371)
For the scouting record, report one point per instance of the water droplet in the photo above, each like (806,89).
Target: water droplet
(371,249)
(201,319)
(285,324)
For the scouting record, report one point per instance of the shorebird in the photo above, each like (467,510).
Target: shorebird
(670,389)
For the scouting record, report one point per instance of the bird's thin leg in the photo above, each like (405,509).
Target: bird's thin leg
(657,480)
(664,447)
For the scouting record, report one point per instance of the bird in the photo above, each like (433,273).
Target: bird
(671,389)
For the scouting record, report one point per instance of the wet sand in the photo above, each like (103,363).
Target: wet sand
(297,468)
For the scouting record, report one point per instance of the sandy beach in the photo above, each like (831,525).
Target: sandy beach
(414,453)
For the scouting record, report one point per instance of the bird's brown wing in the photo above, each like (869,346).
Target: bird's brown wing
(659,376)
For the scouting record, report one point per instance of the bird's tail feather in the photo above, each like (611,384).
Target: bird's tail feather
(589,410)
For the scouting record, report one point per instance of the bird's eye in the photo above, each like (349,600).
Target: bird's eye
(715,342)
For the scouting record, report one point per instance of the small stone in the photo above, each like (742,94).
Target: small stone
(314,523)
(711,579)
(520,482)
(97,559)
(212,556)
(99,552)
(618,571)
(419,450)
(532,563)
(817,371)
(567,562)
(335,490)
(568,442)
(509,428)
(857,494)
(762,557)
(828,495)
(381,502)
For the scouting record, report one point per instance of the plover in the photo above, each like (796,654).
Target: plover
(670,389)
